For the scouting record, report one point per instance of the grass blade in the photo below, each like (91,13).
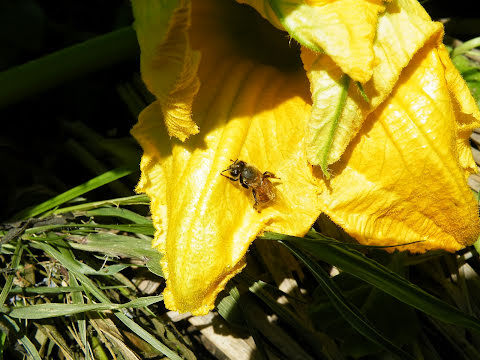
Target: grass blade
(77,298)
(465,47)
(117,245)
(153,264)
(145,335)
(141,199)
(29,347)
(262,352)
(71,265)
(94,183)
(370,271)
(259,288)
(348,311)
(46,290)
(8,283)
(145,229)
(49,310)
(120,213)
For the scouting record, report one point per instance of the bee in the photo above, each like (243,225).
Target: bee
(252,178)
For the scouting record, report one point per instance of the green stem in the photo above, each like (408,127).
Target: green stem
(465,47)
(323,156)
(64,65)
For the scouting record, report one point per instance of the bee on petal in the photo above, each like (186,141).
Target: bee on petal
(251,178)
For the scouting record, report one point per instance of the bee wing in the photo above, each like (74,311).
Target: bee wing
(266,191)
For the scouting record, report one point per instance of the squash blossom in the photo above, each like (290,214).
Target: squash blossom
(354,105)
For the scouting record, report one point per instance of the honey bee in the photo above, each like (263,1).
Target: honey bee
(252,178)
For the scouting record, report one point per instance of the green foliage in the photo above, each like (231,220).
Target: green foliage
(467,60)
(56,247)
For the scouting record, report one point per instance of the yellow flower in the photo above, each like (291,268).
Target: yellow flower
(394,137)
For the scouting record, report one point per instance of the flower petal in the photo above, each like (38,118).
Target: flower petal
(402,180)
(248,111)
(343,29)
(466,111)
(168,64)
(401,31)
(211,221)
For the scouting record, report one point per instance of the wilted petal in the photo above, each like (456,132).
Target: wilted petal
(248,111)
(466,111)
(168,64)
(401,179)
(402,30)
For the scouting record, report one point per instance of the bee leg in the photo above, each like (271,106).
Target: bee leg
(255,197)
(242,182)
(268,174)
(228,177)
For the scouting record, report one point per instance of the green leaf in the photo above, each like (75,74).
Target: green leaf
(348,311)
(370,271)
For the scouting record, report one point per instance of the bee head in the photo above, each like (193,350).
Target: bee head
(235,169)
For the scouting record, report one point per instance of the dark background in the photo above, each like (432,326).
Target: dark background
(37,159)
